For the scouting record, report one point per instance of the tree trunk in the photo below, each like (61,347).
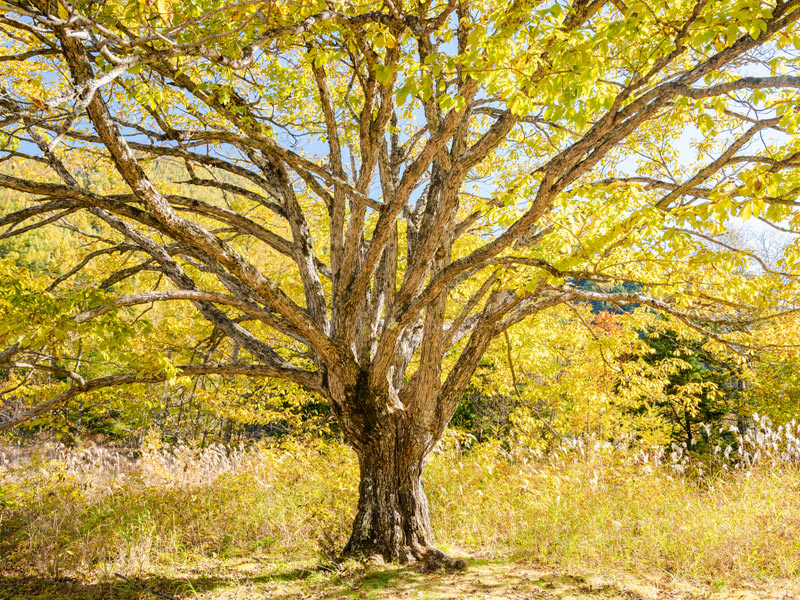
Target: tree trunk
(391,441)
(392,518)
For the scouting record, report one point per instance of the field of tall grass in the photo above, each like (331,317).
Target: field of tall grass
(94,511)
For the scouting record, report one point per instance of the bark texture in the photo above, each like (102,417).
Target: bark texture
(392,518)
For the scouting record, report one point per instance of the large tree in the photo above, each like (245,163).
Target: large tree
(363,196)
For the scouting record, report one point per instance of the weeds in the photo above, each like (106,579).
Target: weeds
(587,504)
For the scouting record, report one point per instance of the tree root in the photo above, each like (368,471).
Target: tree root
(426,559)
(434,560)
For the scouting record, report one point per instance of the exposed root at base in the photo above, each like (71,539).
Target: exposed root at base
(427,560)
(435,560)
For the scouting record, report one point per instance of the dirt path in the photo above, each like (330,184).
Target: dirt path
(484,580)
(508,580)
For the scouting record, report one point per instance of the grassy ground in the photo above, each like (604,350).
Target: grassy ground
(250,579)
(584,522)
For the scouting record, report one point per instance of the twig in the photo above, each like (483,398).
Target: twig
(516,388)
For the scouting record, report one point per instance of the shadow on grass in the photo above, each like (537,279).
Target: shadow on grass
(277,583)
(136,587)
(492,580)
(130,588)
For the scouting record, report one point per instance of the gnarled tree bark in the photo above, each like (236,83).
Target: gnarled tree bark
(392,518)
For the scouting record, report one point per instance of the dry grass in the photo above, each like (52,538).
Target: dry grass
(92,512)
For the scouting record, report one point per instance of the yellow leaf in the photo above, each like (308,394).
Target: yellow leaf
(164,10)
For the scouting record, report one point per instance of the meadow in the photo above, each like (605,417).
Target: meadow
(269,520)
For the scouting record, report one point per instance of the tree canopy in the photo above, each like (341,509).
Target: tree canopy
(359,198)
